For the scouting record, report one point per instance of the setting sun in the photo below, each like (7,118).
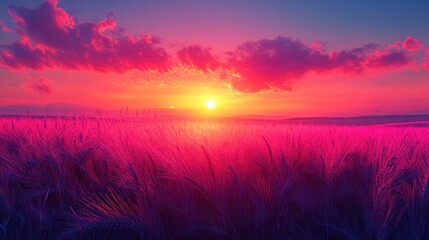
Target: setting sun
(211,104)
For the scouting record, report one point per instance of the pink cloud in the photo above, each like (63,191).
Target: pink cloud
(318,46)
(22,54)
(41,86)
(4,27)
(275,63)
(52,38)
(396,45)
(426,60)
(195,56)
(387,59)
(349,61)
(411,44)
(278,63)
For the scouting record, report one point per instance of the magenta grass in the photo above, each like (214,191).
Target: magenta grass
(118,179)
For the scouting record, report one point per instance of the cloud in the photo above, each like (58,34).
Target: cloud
(51,38)
(387,59)
(195,56)
(426,60)
(278,63)
(20,55)
(4,27)
(396,45)
(275,63)
(41,85)
(350,61)
(411,44)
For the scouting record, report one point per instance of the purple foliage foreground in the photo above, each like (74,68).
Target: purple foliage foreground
(111,179)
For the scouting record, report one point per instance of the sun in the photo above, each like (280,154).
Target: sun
(210,104)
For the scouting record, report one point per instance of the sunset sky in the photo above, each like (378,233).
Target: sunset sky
(273,58)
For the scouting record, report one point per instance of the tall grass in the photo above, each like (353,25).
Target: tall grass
(111,179)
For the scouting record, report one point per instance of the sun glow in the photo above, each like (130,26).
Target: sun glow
(210,104)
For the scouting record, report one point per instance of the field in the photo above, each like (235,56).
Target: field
(146,179)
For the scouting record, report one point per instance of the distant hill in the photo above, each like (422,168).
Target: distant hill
(60,109)
(360,120)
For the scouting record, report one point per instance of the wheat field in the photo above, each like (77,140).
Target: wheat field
(82,178)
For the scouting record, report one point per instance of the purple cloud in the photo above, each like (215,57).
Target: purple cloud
(41,85)
(275,63)
(388,59)
(52,38)
(426,60)
(195,56)
(278,63)
(4,27)
(411,44)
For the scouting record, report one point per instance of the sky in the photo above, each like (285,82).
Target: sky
(271,58)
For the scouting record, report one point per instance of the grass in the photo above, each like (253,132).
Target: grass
(121,179)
